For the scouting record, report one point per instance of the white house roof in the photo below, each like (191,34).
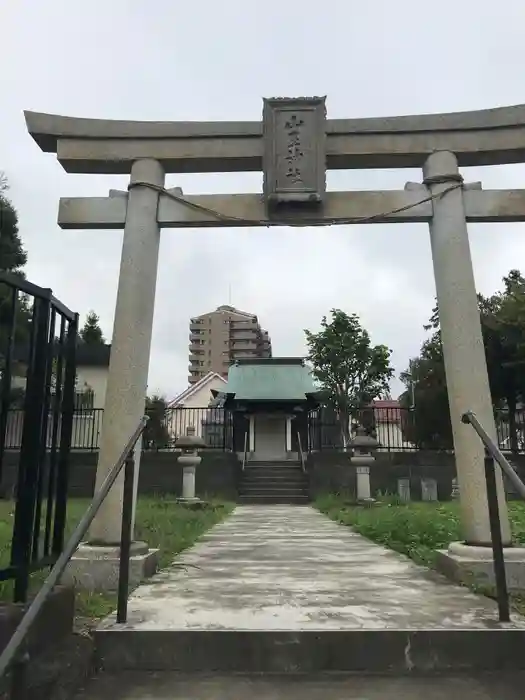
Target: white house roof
(194,388)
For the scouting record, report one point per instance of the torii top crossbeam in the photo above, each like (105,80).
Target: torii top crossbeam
(483,137)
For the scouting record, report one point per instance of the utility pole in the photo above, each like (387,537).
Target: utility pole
(412,386)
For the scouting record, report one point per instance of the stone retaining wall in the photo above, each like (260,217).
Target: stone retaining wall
(219,472)
(160,473)
(331,471)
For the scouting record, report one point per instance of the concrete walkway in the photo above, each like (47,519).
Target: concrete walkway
(291,568)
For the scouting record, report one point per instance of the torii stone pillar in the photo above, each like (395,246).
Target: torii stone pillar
(131,341)
(463,349)
(95,564)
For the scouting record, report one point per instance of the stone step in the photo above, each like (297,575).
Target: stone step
(160,686)
(273,471)
(270,483)
(295,477)
(295,481)
(276,465)
(273,466)
(273,486)
(275,500)
(388,651)
(275,493)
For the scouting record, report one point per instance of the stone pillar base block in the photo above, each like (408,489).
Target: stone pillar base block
(96,568)
(369,501)
(474,565)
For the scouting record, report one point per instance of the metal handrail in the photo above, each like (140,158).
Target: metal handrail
(301,453)
(470,418)
(494,454)
(245,449)
(126,458)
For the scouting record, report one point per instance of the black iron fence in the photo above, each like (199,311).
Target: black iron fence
(214,425)
(85,429)
(402,429)
(395,429)
(38,339)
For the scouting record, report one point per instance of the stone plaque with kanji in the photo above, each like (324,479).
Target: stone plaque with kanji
(294,159)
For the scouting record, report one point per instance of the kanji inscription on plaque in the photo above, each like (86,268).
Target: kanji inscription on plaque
(294,159)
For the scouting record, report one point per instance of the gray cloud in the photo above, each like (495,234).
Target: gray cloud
(206,61)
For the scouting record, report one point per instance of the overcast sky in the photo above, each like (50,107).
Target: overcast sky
(202,60)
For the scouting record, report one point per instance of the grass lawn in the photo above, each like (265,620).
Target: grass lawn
(415,529)
(160,522)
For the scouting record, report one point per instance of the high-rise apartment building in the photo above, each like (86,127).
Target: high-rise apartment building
(222,336)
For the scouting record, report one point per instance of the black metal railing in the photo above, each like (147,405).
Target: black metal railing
(301,453)
(38,339)
(493,456)
(395,428)
(8,658)
(85,429)
(214,425)
(245,454)
(403,429)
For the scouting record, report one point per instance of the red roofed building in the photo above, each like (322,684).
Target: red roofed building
(387,411)
(388,421)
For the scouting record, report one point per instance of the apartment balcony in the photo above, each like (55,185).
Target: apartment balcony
(249,323)
(196,336)
(240,354)
(240,345)
(246,336)
(246,327)
(195,358)
(243,345)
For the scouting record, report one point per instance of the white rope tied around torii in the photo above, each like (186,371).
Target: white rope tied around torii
(455,178)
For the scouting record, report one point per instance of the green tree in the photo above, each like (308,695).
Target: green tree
(13,257)
(156,434)
(427,423)
(351,371)
(91,332)
(502,317)
(503,323)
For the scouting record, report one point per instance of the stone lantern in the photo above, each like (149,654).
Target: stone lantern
(189,459)
(363,459)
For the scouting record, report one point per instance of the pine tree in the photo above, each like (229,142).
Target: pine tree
(91,332)
(156,433)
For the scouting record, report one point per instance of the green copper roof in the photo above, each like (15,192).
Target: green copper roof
(275,379)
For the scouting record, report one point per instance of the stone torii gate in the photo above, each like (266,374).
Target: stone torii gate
(294,145)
